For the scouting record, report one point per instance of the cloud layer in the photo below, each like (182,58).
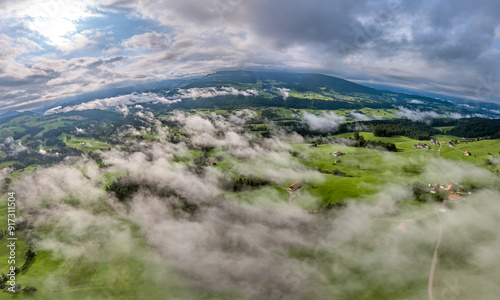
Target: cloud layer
(120,103)
(326,121)
(262,244)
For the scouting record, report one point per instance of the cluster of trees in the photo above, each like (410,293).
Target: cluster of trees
(124,188)
(27,158)
(269,114)
(362,142)
(178,203)
(380,128)
(55,142)
(239,102)
(30,258)
(52,133)
(32,131)
(243,182)
(415,130)
(387,130)
(292,102)
(422,193)
(493,161)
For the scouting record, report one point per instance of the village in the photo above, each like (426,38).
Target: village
(453,191)
(444,193)
(436,143)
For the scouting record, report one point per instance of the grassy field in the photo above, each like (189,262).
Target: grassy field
(7,164)
(85,144)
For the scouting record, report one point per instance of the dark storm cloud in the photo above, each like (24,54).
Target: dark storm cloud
(312,22)
(460,30)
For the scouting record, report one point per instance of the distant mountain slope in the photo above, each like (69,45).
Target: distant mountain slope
(7,116)
(301,82)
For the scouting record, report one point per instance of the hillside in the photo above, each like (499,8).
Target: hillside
(318,83)
(248,89)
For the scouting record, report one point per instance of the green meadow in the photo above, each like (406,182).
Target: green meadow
(85,144)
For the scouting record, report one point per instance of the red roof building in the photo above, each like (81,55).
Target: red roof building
(294,186)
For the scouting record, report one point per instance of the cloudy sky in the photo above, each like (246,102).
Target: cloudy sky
(53,49)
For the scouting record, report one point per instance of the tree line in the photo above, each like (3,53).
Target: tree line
(477,127)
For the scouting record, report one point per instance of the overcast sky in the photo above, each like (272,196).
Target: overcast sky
(52,49)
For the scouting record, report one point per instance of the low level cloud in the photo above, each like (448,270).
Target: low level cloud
(326,121)
(208,92)
(119,103)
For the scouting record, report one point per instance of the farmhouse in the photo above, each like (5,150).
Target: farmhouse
(294,186)
(450,144)
(467,153)
(338,154)
(432,141)
(420,146)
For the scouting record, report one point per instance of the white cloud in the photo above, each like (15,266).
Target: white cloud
(360,117)
(149,40)
(285,92)
(162,100)
(111,50)
(11,146)
(326,121)
(208,92)
(416,102)
(122,109)
(119,103)
(77,41)
(417,115)
(56,20)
